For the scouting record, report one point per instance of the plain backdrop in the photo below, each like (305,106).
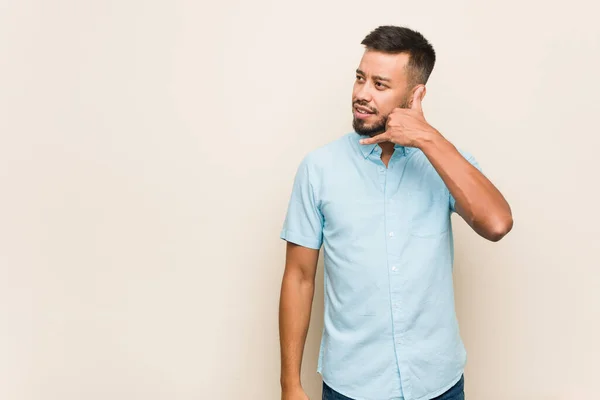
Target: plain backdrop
(147,152)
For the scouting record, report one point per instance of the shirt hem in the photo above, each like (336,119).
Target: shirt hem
(442,390)
(425,397)
(355,398)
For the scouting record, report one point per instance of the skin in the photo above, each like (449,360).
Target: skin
(396,116)
(296,297)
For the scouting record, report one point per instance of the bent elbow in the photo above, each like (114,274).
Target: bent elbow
(501,229)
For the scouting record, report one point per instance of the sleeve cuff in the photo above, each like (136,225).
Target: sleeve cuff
(300,240)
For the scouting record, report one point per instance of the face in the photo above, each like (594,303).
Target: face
(381,85)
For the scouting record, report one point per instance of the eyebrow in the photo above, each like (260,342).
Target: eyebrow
(375,77)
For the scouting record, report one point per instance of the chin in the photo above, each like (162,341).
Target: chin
(369,130)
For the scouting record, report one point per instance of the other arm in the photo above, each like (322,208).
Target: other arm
(297,291)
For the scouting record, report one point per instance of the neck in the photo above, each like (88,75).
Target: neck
(387,148)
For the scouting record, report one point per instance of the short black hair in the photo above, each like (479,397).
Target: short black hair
(397,39)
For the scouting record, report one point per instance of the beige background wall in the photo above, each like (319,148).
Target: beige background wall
(147,151)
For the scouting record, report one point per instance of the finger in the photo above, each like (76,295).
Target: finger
(382,137)
(417,99)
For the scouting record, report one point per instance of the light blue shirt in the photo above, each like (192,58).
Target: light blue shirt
(390,327)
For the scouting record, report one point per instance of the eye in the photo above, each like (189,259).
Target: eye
(380,85)
(359,78)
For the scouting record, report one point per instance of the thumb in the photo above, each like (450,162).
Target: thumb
(417,99)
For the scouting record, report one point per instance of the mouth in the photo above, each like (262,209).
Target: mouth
(362,112)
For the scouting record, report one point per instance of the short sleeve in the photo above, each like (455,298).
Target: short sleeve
(303,224)
(469,157)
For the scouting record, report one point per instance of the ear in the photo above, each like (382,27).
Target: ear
(424,92)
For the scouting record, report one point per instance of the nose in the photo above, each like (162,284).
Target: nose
(363,93)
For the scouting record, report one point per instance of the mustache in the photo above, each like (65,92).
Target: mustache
(365,105)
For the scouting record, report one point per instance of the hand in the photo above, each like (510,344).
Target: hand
(405,126)
(296,393)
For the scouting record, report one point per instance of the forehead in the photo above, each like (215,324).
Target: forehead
(391,66)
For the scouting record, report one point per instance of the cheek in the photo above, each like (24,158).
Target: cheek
(387,102)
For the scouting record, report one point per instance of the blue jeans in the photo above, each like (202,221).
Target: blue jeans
(456,392)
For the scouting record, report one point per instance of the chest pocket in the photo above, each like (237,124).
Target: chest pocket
(427,212)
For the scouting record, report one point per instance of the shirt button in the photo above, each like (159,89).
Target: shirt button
(391,234)
(394,269)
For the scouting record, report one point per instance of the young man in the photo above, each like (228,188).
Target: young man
(379,201)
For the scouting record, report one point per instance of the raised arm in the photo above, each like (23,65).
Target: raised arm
(474,197)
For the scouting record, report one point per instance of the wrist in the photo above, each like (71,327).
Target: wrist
(290,384)
(429,138)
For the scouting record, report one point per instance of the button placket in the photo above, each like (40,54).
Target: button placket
(395,277)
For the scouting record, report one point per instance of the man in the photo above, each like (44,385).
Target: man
(379,201)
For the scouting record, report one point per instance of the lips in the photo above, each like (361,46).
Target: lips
(363,110)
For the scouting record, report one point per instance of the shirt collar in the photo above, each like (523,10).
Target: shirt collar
(367,149)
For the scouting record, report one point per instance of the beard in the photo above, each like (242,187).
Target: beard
(365,128)
(377,127)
